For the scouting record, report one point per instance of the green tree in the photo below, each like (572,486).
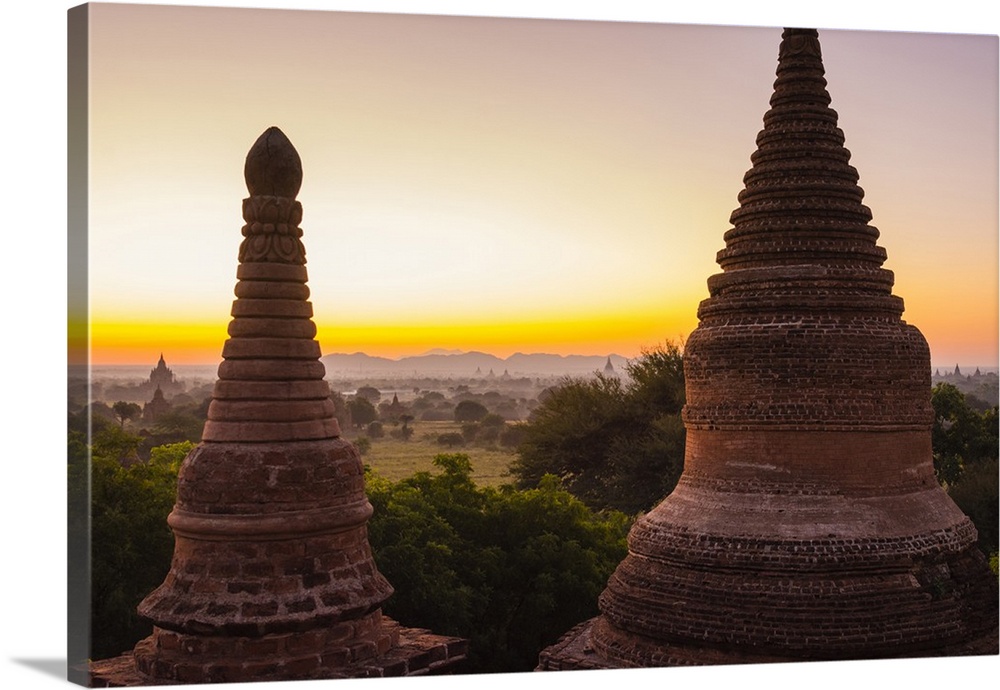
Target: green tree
(511,570)
(178,424)
(470,411)
(126,411)
(406,431)
(965,443)
(657,379)
(512,435)
(170,455)
(340,409)
(451,439)
(116,443)
(131,544)
(362,411)
(403,433)
(488,435)
(369,393)
(493,420)
(961,436)
(363,444)
(469,431)
(613,443)
(976,494)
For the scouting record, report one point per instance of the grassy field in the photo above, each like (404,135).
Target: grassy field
(396,459)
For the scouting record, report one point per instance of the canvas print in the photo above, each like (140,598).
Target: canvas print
(405,345)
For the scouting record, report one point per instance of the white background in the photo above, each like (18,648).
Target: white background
(33,226)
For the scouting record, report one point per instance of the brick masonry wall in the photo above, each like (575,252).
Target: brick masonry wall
(167,658)
(807,370)
(268,538)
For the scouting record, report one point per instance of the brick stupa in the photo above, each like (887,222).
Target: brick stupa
(807,523)
(272,575)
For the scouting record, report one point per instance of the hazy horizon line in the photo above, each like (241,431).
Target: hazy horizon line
(427,353)
(943,368)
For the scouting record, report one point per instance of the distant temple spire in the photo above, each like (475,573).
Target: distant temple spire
(394,410)
(153,410)
(161,376)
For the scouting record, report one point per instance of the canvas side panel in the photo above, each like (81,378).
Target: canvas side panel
(78,369)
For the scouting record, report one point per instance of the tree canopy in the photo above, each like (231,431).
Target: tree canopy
(362,411)
(131,544)
(369,393)
(126,411)
(470,411)
(509,570)
(613,443)
(961,435)
(965,443)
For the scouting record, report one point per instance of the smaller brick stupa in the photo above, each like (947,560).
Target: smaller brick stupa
(272,576)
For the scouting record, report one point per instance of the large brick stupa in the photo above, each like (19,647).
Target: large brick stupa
(272,575)
(807,523)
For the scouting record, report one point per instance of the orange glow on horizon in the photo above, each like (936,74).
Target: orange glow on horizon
(133,343)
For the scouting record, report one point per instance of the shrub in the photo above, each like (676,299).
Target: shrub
(451,439)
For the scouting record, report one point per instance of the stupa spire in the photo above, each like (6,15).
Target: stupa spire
(807,523)
(801,216)
(272,575)
(270,385)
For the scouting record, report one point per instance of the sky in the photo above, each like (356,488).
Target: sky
(506,185)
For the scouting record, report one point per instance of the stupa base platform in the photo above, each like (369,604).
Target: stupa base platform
(575,652)
(418,652)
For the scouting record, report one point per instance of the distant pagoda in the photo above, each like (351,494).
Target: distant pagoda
(161,376)
(272,575)
(609,369)
(394,410)
(807,523)
(153,410)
